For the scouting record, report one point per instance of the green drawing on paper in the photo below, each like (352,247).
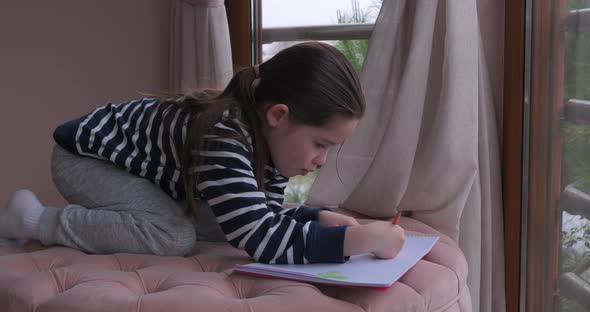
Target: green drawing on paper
(332,275)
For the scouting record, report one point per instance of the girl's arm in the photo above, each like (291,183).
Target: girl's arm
(227,184)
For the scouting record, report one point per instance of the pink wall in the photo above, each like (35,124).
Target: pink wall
(60,59)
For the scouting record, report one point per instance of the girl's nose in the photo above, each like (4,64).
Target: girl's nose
(321,159)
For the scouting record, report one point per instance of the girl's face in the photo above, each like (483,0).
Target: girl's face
(298,149)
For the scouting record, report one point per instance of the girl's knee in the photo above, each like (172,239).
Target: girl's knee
(178,241)
(182,246)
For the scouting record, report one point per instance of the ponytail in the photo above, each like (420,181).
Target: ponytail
(243,88)
(204,109)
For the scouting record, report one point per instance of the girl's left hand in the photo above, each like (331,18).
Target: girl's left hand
(329,218)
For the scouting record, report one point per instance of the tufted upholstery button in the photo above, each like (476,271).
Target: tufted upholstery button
(34,277)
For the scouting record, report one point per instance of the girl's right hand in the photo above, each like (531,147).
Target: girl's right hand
(383,239)
(387,239)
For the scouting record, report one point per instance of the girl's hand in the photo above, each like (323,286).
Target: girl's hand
(329,218)
(383,239)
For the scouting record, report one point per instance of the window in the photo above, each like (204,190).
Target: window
(343,23)
(556,241)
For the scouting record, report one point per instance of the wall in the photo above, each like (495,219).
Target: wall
(60,59)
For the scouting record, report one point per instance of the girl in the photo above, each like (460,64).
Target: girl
(153,175)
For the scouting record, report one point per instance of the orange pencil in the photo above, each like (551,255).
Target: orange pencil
(396,218)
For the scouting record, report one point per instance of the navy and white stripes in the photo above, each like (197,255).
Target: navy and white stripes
(140,138)
(134,137)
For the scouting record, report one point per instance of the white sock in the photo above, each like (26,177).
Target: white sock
(19,219)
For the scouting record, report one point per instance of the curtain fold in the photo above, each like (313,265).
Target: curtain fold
(429,142)
(200,49)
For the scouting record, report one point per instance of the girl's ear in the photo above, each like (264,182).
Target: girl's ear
(276,114)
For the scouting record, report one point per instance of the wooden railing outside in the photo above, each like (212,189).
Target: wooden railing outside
(320,32)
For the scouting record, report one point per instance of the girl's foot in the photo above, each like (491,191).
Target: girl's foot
(19,219)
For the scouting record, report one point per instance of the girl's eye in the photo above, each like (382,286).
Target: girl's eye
(320,145)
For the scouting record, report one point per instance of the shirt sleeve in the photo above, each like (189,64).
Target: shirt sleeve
(269,235)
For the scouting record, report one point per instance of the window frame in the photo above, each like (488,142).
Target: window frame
(512,147)
(543,103)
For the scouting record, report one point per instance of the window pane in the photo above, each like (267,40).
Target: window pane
(281,13)
(288,14)
(574,280)
(292,14)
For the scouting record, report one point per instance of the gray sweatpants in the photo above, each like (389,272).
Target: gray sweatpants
(112,210)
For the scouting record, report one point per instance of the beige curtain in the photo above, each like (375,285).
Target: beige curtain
(200,50)
(429,142)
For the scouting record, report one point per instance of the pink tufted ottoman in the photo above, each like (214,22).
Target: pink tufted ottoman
(36,278)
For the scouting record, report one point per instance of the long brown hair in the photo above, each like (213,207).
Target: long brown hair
(313,79)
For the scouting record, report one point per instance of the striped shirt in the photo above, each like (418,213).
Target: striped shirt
(142,139)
